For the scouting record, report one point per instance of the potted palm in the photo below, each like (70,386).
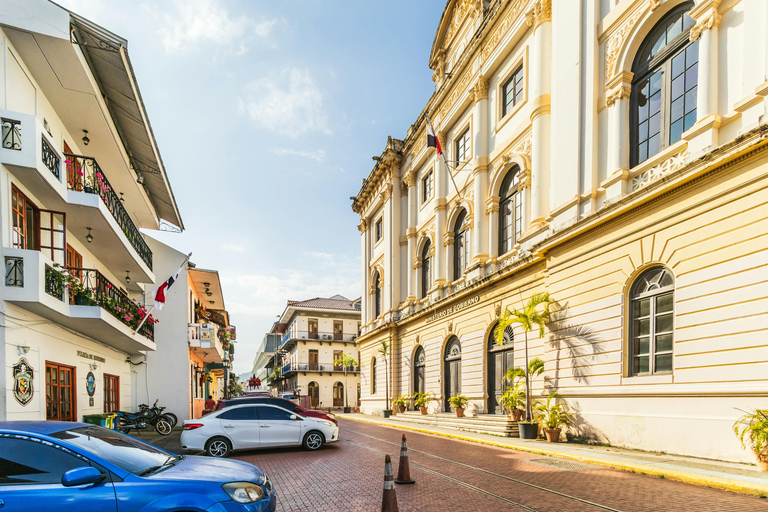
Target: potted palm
(384,352)
(401,402)
(458,403)
(535,313)
(421,400)
(513,401)
(553,416)
(347,362)
(752,429)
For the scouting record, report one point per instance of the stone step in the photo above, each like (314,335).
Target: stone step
(485,424)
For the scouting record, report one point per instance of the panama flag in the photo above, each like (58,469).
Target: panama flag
(160,293)
(432,140)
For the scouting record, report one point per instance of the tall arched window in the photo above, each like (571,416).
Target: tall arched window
(452,370)
(652,300)
(500,359)
(510,212)
(460,246)
(377,295)
(664,87)
(373,376)
(426,269)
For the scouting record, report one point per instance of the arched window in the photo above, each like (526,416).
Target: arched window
(652,300)
(510,212)
(664,87)
(426,269)
(377,295)
(373,376)
(500,359)
(460,246)
(452,370)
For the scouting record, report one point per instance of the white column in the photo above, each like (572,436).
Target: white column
(617,101)
(540,18)
(480,170)
(492,209)
(394,204)
(410,180)
(364,245)
(706,31)
(440,182)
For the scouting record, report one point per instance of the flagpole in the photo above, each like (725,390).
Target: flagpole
(153,306)
(445,160)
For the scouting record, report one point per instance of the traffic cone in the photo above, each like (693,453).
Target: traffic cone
(404,469)
(389,499)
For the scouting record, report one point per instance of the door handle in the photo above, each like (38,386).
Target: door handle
(229,426)
(264,426)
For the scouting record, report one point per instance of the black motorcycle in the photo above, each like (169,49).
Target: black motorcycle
(161,422)
(127,421)
(168,415)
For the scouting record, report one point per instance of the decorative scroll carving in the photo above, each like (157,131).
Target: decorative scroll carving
(480,89)
(541,13)
(710,20)
(654,4)
(504,27)
(616,42)
(668,166)
(458,91)
(617,94)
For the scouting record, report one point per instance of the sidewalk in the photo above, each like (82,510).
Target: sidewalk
(729,476)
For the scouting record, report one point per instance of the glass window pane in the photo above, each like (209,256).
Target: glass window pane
(642,308)
(30,462)
(676,131)
(678,64)
(45,220)
(677,110)
(664,363)
(642,327)
(664,303)
(654,125)
(664,323)
(642,152)
(692,76)
(678,87)
(688,22)
(690,100)
(690,120)
(653,145)
(58,221)
(641,365)
(664,343)
(674,29)
(641,345)
(656,83)
(692,54)
(660,43)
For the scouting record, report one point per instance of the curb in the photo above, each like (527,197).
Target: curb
(714,482)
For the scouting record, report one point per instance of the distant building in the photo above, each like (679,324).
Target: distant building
(613,154)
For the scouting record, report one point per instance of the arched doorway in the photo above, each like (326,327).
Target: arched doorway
(500,359)
(419,365)
(338,395)
(313,390)
(452,371)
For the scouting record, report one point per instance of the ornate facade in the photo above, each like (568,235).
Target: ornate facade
(612,154)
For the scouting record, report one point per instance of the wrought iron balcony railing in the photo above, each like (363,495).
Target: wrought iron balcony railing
(14,271)
(11,134)
(85,175)
(316,367)
(54,283)
(314,335)
(50,158)
(89,287)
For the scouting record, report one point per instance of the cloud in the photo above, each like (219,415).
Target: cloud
(233,248)
(287,102)
(192,22)
(318,155)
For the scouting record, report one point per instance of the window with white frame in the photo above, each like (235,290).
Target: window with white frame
(460,246)
(462,147)
(652,301)
(427,185)
(379,229)
(426,268)
(510,212)
(512,91)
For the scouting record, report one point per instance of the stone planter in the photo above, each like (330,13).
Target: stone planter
(459,412)
(424,410)
(553,434)
(387,413)
(347,410)
(517,414)
(400,409)
(528,430)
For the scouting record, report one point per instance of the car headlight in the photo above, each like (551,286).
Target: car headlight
(331,415)
(330,423)
(243,492)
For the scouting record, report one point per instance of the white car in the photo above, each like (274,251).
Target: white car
(291,397)
(241,427)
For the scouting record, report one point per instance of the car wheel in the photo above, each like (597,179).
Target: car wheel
(313,440)
(218,447)
(163,427)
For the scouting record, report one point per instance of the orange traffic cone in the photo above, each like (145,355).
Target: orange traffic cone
(389,499)
(404,469)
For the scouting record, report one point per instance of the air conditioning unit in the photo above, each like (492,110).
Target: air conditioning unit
(327,336)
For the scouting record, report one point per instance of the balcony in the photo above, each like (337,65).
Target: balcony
(77,186)
(79,299)
(204,341)
(317,367)
(295,335)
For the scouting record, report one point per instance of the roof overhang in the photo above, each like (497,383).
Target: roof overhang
(206,282)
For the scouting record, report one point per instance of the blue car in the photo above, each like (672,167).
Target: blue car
(63,466)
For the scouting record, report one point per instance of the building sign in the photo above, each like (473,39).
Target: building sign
(437,315)
(90,384)
(91,356)
(23,375)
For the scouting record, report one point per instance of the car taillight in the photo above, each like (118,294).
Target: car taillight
(192,426)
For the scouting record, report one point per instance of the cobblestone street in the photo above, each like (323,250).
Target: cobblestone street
(459,475)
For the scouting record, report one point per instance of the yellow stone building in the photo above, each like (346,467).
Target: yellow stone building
(613,154)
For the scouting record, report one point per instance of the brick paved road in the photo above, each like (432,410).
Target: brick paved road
(458,475)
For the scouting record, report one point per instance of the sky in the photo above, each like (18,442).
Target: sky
(267,114)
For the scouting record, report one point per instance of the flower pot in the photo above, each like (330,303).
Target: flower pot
(763,465)
(459,412)
(553,434)
(347,410)
(387,413)
(82,300)
(528,430)
(424,410)
(87,189)
(401,409)
(517,414)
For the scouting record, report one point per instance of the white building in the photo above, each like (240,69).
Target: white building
(80,173)
(611,153)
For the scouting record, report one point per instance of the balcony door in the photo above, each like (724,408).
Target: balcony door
(59,392)
(313,360)
(312,329)
(74,170)
(313,389)
(338,330)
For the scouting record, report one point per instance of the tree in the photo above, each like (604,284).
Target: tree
(535,313)
(384,351)
(346,361)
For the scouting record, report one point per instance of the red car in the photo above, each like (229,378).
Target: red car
(280,402)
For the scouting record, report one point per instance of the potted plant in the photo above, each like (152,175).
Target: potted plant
(535,313)
(458,403)
(553,416)
(513,400)
(752,429)
(401,402)
(347,362)
(384,352)
(421,400)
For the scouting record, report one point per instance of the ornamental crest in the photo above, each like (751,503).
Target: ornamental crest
(90,384)
(23,375)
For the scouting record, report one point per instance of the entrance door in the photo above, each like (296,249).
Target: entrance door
(312,327)
(419,365)
(338,394)
(500,359)
(313,362)
(111,393)
(74,171)
(452,370)
(314,394)
(59,392)
(338,330)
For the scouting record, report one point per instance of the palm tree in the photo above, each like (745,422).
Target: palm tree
(384,351)
(535,313)
(346,361)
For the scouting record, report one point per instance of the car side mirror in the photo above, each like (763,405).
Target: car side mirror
(294,417)
(82,476)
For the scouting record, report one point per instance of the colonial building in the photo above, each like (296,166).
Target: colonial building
(80,174)
(316,334)
(610,153)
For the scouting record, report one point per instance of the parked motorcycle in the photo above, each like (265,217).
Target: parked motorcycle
(168,415)
(127,421)
(161,422)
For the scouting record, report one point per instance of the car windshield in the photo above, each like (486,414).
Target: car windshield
(121,450)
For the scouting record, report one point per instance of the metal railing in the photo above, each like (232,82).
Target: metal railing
(85,175)
(316,367)
(50,158)
(14,271)
(54,283)
(321,336)
(89,287)
(11,134)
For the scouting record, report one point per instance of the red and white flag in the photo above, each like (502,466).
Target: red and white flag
(432,140)
(160,292)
